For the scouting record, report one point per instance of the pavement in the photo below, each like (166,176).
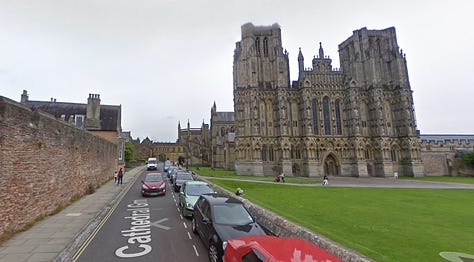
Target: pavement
(58,237)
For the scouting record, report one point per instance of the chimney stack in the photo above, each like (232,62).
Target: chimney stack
(24,97)
(93,112)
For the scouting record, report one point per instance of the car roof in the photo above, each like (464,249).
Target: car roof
(189,182)
(282,248)
(216,199)
(153,174)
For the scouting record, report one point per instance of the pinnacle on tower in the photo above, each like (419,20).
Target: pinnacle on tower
(321,51)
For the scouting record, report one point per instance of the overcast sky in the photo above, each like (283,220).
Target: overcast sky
(168,61)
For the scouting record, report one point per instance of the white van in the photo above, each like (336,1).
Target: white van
(151,164)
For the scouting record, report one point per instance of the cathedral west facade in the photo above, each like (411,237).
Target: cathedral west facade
(355,121)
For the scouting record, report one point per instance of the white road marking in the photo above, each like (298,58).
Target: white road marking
(158,225)
(195,250)
(184,224)
(189,235)
(73,214)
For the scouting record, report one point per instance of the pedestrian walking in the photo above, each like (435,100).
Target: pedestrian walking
(120,177)
(115,176)
(325,180)
(282,177)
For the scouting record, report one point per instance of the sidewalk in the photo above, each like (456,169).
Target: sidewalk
(57,237)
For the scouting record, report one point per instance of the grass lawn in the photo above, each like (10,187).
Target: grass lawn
(389,224)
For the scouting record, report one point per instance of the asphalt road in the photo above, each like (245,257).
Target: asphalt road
(144,229)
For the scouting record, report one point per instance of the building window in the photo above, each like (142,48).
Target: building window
(257,45)
(79,120)
(394,156)
(327,120)
(265,46)
(314,112)
(338,119)
(121,152)
(270,154)
(367,154)
(264,153)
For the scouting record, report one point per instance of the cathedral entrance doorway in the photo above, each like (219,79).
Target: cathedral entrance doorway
(331,167)
(296,170)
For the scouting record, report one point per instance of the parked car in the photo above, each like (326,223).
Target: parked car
(218,218)
(274,249)
(153,185)
(180,179)
(171,170)
(174,173)
(166,166)
(189,194)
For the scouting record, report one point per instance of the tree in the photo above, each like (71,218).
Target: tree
(468,159)
(129,152)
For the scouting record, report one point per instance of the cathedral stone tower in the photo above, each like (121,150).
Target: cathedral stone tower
(357,121)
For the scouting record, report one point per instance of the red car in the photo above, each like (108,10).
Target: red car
(274,249)
(153,185)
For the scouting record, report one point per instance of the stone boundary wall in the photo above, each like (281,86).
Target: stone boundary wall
(281,227)
(44,163)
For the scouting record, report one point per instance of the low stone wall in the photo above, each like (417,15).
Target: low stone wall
(281,227)
(44,162)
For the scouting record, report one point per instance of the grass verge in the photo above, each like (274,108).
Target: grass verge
(385,224)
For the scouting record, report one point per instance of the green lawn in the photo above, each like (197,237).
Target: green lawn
(383,224)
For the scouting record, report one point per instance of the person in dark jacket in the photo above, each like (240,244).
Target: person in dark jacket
(120,177)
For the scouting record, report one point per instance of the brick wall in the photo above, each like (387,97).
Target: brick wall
(44,162)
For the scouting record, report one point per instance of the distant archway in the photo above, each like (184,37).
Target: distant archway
(331,166)
(296,170)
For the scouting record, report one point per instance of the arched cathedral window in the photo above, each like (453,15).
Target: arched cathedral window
(326,114)
(265,46)
(314,112)
(264,153)
(257,45)
(338,119)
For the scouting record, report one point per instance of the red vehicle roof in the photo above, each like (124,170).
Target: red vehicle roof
(275,249)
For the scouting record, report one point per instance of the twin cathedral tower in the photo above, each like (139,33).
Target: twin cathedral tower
(356,121)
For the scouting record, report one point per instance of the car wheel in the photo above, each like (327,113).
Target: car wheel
(213,256)
(193,225)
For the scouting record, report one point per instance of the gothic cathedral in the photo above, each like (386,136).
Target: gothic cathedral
(357,121)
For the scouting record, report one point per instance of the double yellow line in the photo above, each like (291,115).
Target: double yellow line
(102,222)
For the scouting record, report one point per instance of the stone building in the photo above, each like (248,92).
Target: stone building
(101,120)
(222,137)
(356,121)
(195,143)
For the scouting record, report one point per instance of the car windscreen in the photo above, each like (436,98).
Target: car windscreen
(153,178)
(151,162)
(197,190)
(184,177)
(231,214)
